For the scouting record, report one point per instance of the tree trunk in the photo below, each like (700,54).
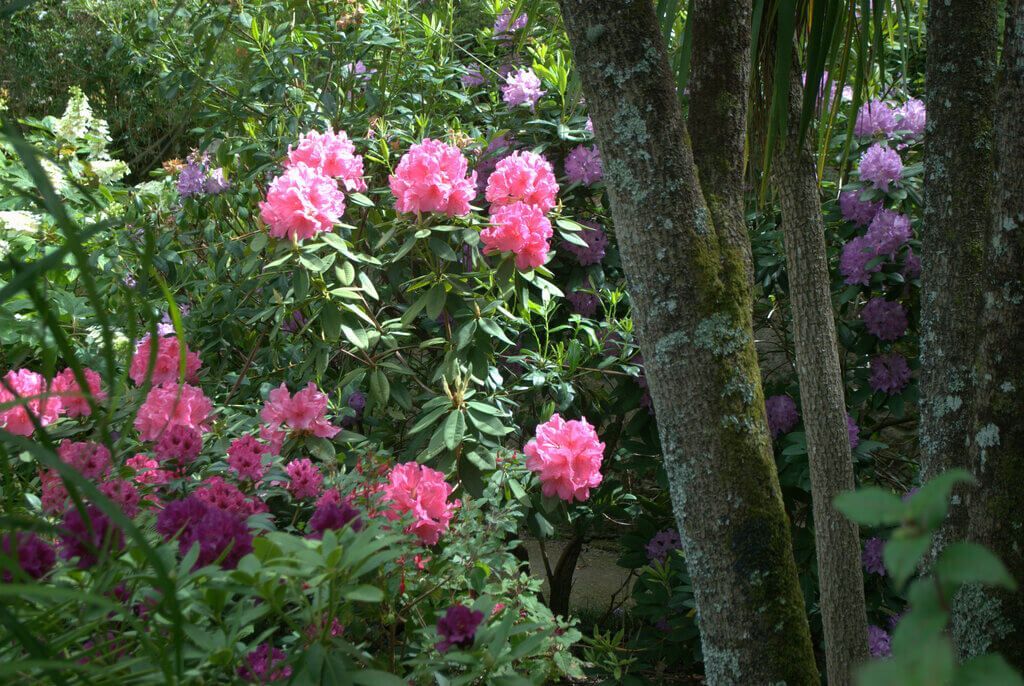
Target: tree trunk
(987,619)
(959,200)
(837,540)
(692,307)
(561,578)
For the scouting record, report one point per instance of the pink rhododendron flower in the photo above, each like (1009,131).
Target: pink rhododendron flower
(124,494)
(301,203)
(306,479)
(583,165)
(179,444)
(245,458)
(423,492)
(522,87)
(520,229)
(72,398)
(91,460)
(147,470)
(523,177)
(333,154)
(26,384)
(274,437)
(567,456)
(169,404)
(168,362)
(225,496)
(53,493)
(431,177)
(305,412)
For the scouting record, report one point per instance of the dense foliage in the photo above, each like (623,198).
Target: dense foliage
(367,337)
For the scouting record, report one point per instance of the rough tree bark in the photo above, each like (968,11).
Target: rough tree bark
(959,200)
(837,540)
(990,619)
(692,306)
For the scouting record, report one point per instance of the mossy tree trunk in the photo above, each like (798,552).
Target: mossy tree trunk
(688,280)
(959,200)
(989,619)
(836,539)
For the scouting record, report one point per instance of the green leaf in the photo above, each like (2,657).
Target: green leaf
(380,389)
(428,419)
(872,506)
(901,556)
(364,593)
(966,563)
(454,429)
(988,670)
(465,334)
(930,503)
(435,301)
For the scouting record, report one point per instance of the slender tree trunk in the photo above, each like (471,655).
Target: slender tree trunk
(837,540)
(959,201)
(718,116)
(692,306)
(988,619)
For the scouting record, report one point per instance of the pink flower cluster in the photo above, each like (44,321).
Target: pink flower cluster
(167,366)
(523,177)
(91,460)
(521,229)
(567,455)
(46,402)
(171,404)
(305,412)
(245,458)
(423,492)
(31,389)
(333,155)
(72,397)
(301,203)
(305,480)
(432,177)
(521,190)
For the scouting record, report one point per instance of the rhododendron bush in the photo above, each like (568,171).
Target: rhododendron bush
(288,408)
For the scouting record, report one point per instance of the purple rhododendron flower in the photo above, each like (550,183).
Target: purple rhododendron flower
(875,117)
(583,165)
(872,556)
(191,180)
(522,88)
(596,240)
(854,260)
(856,210)
(32,554)
(881,166)
(294,323)
(878,642)
(888,232)
(911,265)
(504,25)
(88,537)
(662,544)
(473,77)
(334,516)
(584,303)
(852,431)
(782,414)
(885,319)
(913,117)
(265,665)
(458,627)
(890,373)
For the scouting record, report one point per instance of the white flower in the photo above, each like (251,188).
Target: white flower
(20,220)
